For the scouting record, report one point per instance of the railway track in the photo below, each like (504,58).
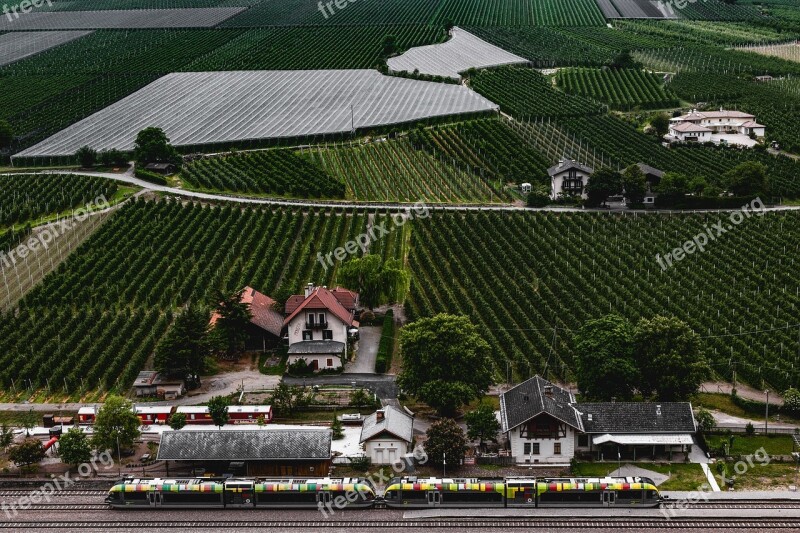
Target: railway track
(60,493)
(455,525)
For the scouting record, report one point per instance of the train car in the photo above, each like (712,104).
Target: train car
(242,493)
(413,493)
(521,492)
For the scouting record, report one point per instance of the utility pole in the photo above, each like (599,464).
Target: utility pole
(766,415)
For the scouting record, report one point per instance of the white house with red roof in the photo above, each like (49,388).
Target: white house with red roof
(319,324)
(723,126)
(266,323)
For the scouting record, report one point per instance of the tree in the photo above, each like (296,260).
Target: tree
(29,422)
(375,281)
(337,428)
(697,185)
(624,59)
(746,179)
(446,363)
(446,441)
(6,134)
(362,398)
(286,399)
(230,329)
(482,424)
(86,157)
(604,363)
(660,124)
(218,409)
(6,436)
(152,146)
(749,429)
(670,358)
(672,187)
(113,157)
(634,182)
(603,183)
(74,448)
(27,452)
(183,350)
(177,421)
(389,45)
(539,196)
(116,425)
(705,420)
(791,400)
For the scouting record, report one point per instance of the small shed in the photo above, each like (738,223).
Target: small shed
(86,415)
(387,435)
(526,187)
(162,168)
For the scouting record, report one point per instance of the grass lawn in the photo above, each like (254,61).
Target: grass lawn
(723,403)
(774,476)
(683,476)
(744,445)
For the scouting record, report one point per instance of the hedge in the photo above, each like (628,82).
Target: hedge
(386,346)
(152,177)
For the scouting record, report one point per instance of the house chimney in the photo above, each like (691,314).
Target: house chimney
(380,414)
(309,289)
(548,391)
(658,410)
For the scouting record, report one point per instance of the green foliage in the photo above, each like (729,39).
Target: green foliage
(634,183)
(28,452)
(337,428)
(446,362)
(300,368)
(747,179)
(670,357)
(376,281)
(705,420)
(113,157)
(152,177)
(362,398)
(622,88)
(74,448)
(482,424)
(86,157)
(6,436)
(603,183)
(446,442)
(791,401)
(116,425)
(177,421)
(624,60)
(286,399)
(360,463)
(218,410)
(660,123)
(6,134)
(152,146)
(749,429)
(280,172)
(230,330)
(26,197)
(183,350)
(383,360)
(604,361)
(539,196)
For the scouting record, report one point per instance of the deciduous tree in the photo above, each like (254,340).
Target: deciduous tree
(116,423)
(152,146)
(603,183)
(634,183)
(27,452)
(604,363)
(482,424)
(183,350)
(74,448)
(177,421)
(86,157)
(218,409)
(377,282)
(446,441)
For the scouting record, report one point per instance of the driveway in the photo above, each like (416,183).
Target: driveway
(382,385)
(369,337)
(227,383)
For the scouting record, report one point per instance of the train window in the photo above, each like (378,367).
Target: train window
(188,498)
(569,497)
(472,497)
(651,495)
(415,495)
(388,495)
(287,497)
(629,495)
(134,496)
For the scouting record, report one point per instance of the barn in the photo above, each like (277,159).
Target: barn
(271,452)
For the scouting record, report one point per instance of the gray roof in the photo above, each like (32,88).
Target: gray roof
(647,169)
(567,164)
(637,417)
(245,445)
(395,421)
(528,400)
(316,347)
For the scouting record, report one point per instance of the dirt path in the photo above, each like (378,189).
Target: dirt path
(744,391)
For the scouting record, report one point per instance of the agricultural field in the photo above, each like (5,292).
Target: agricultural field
(620,88)
(26,198)
(395,171)
(526,93)
(261,105)
(529,280)
(637,9)
(788,51)
(19,45)
(97,318)
(271,172)
(462,52)
(699,58)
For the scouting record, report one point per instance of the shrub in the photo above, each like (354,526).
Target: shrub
(152,177)
(386,346)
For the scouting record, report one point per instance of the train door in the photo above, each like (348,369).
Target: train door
(324,498)
(154,498)
(609,498)
(434,499)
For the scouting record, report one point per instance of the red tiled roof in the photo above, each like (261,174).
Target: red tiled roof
(293,303)
(322,298)
(346,297)
(262,307)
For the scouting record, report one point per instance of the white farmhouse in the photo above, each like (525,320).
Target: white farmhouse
(569,178)
(387,435)
(319,325)
(723,126)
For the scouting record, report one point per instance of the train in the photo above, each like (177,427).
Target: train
(400,493)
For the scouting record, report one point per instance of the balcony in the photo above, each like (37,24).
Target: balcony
(317,325)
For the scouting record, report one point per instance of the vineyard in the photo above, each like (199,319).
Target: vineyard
(621,88)
(273,172)
(395,171)
(25,198)
(524,92)
(528,281)
(97,318)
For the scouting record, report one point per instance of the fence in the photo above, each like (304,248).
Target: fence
(759,429)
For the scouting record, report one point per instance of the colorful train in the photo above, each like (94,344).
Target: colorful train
(405,493)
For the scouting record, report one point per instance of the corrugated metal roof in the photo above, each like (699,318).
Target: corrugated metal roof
(395,421)
(643,439)
(265,444)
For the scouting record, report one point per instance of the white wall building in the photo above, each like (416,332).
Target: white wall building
(387,435)
(732,127)
(569,178)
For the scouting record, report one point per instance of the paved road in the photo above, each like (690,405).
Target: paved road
(369,337)
(382,385)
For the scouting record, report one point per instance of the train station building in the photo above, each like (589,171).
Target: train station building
(544,424)
(258,452)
